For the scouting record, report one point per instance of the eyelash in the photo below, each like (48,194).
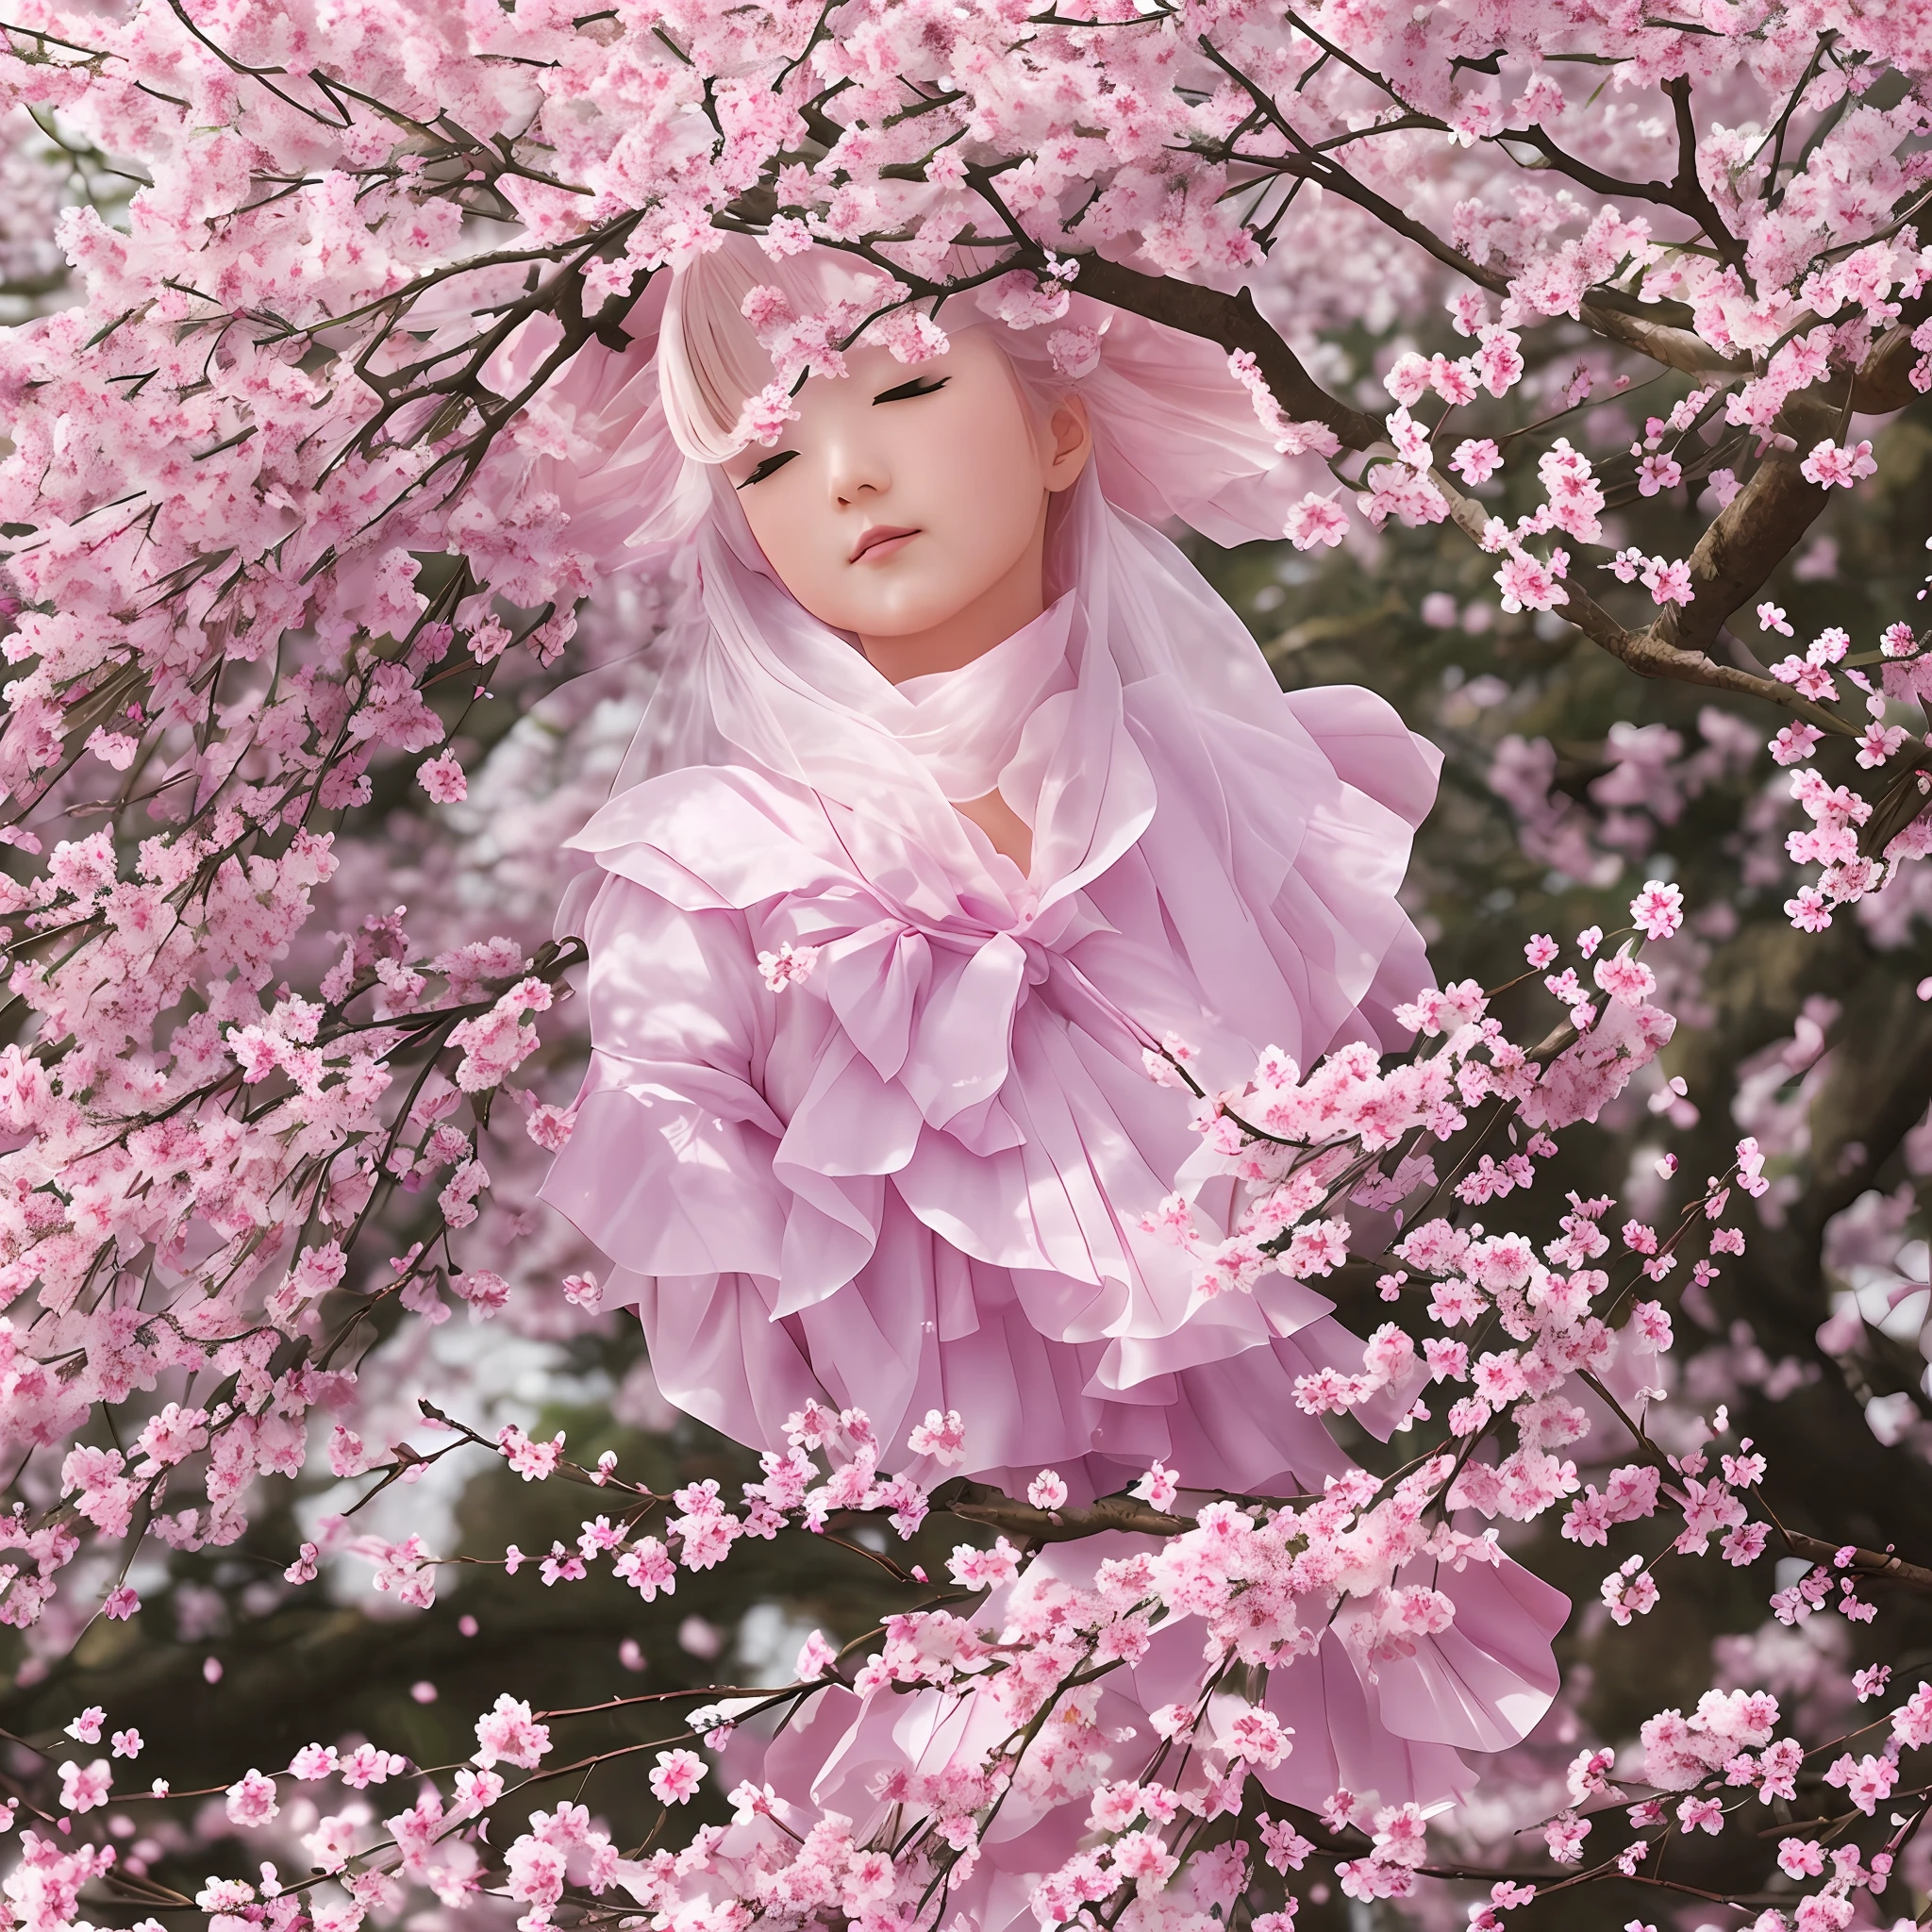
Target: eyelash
(919,385)
(768,466)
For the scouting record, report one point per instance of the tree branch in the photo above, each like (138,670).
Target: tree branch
(1753,534)
(981,1503)
(1883,382)
(1681,349)
(1649,653)
(1874,1565)
(1616,316)
(1744,542)
(1234,323)
(1688,189)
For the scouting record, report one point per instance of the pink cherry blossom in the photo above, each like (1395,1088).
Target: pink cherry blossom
(1658,909)
(442,779)
(941,1437)
(1830,464)
(1475,460)
(1667,582)
(1157,1487)
(1315,520)
(1046,1490)
(787,966)
(676,1776)
(508,1734)
(83,1788)
(1796,743)
(252,1800)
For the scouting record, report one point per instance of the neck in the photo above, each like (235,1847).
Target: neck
(1009,604)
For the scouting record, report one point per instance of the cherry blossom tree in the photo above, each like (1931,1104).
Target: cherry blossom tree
(1591,329)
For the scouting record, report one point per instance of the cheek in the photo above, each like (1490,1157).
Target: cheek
(989,486)
(788,532)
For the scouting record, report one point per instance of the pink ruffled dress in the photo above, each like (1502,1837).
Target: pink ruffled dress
(915,1179)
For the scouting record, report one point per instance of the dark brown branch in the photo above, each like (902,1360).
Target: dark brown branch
(1759,527)
(1684,194)
(1681,349)
(1233,322)
(1648,652)
(1617,316)
(1878,1566)
(1753,534)
(1883,382)
(1677,348)
(1559,162)
(1687,190)
(1744,543)
(981,1503)
(1310,166)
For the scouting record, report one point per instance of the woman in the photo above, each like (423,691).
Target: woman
(963,791)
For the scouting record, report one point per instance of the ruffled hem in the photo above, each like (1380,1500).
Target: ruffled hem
(928,1330)
(1393,1733)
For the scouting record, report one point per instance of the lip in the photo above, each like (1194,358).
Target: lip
(886,537)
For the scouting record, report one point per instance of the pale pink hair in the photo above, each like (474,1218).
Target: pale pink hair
(1176,436)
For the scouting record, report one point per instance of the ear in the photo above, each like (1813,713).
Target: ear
(1069,441)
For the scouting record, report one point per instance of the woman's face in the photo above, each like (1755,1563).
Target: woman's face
(909,500)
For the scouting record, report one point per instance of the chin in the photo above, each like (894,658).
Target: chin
(905,617)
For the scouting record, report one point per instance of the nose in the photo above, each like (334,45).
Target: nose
(856,468)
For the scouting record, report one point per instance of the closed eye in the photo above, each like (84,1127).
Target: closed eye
(919,385)
(771,463)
